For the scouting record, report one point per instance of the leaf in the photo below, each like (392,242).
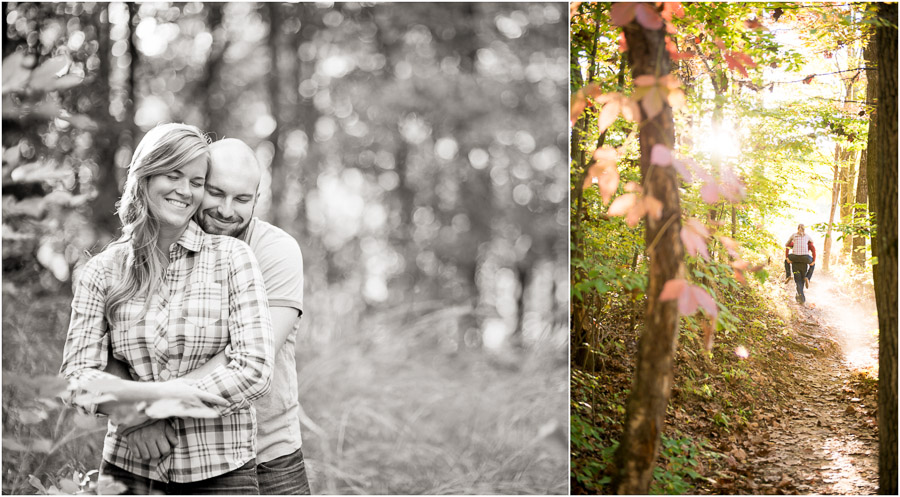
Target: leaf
(648,17)
(44,75)
(730,245)
(735,65)
(65,82)
(807,80)
(661,155)
(168,408)
(672,8)
(41,445)
(653,207)
(705,301)
(709,193)
(608,115)
(13,445)
(579,102)
(84,122)
(630,110)
(645,80)
(652,102)
(15,74)
(680,165)
(672,289)
(693,236)
(622,13)
(608,182)
(54,261)
(676,98)
(622,204)
(111,487)
(36,483)
(69,487)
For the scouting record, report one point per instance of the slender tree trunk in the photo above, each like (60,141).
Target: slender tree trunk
(847,198)
(835,192)
(886,289)
(279,175)
(869,155)
(646,407)
(207,92)
(106,143)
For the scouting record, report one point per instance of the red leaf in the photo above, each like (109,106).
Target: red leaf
(605,155)
(648,17)
(709,192)
(744,58)
(645,80)
(680,165)
(630,110)
(608,115)
(672,8)
(730,245)
(623,44)
(733,64)
(622,13)
(676,56)
(693,236)
(653,207)
(807,80)
(608,181)
(652,102)
(731,187)
(660,155)
(622,204)
(752,24)
(672,289)
(705,301)
(579,102)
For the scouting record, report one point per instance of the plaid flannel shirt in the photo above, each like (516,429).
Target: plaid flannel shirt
(212,298)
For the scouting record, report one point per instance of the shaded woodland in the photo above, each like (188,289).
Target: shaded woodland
(415,151)
(702,135)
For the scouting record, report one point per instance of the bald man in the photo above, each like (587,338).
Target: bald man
(232,187)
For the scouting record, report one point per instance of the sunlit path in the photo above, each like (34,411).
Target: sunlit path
(824,440)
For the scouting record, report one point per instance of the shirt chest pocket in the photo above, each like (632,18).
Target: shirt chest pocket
(205,304)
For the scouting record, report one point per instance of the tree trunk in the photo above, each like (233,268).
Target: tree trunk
(105,144)
(207,92)
(886,283)
(848,173)
(835,192)
(279,176)
(646,407)
(862,184)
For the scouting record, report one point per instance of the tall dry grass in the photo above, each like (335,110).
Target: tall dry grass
(389,406)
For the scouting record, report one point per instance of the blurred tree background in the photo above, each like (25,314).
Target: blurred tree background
(415,151)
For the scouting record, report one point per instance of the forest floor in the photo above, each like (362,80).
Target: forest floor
(792,413)
(823,440)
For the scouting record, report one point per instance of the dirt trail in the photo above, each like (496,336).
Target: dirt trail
(823,440)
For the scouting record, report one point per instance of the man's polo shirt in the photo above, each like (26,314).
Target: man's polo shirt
(281,264)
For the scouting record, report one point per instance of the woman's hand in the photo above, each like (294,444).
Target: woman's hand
(184,391)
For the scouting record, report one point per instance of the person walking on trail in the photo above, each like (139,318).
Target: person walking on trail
(799,256)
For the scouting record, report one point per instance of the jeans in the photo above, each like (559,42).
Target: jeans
(241,481)
(285,475)
(801,270)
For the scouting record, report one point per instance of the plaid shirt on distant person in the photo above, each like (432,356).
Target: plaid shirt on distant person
(212,299)
(800,245)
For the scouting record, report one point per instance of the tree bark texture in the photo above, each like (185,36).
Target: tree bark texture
(835,192)
(862,184)
(646,407)
(886,284)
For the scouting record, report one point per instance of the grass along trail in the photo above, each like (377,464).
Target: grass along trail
(824,439)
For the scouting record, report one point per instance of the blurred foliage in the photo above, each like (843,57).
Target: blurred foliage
(415,151)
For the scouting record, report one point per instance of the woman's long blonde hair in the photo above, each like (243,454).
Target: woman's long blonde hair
(165,148)
(801,229)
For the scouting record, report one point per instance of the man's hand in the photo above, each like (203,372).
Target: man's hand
(813,263)
(152,441)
